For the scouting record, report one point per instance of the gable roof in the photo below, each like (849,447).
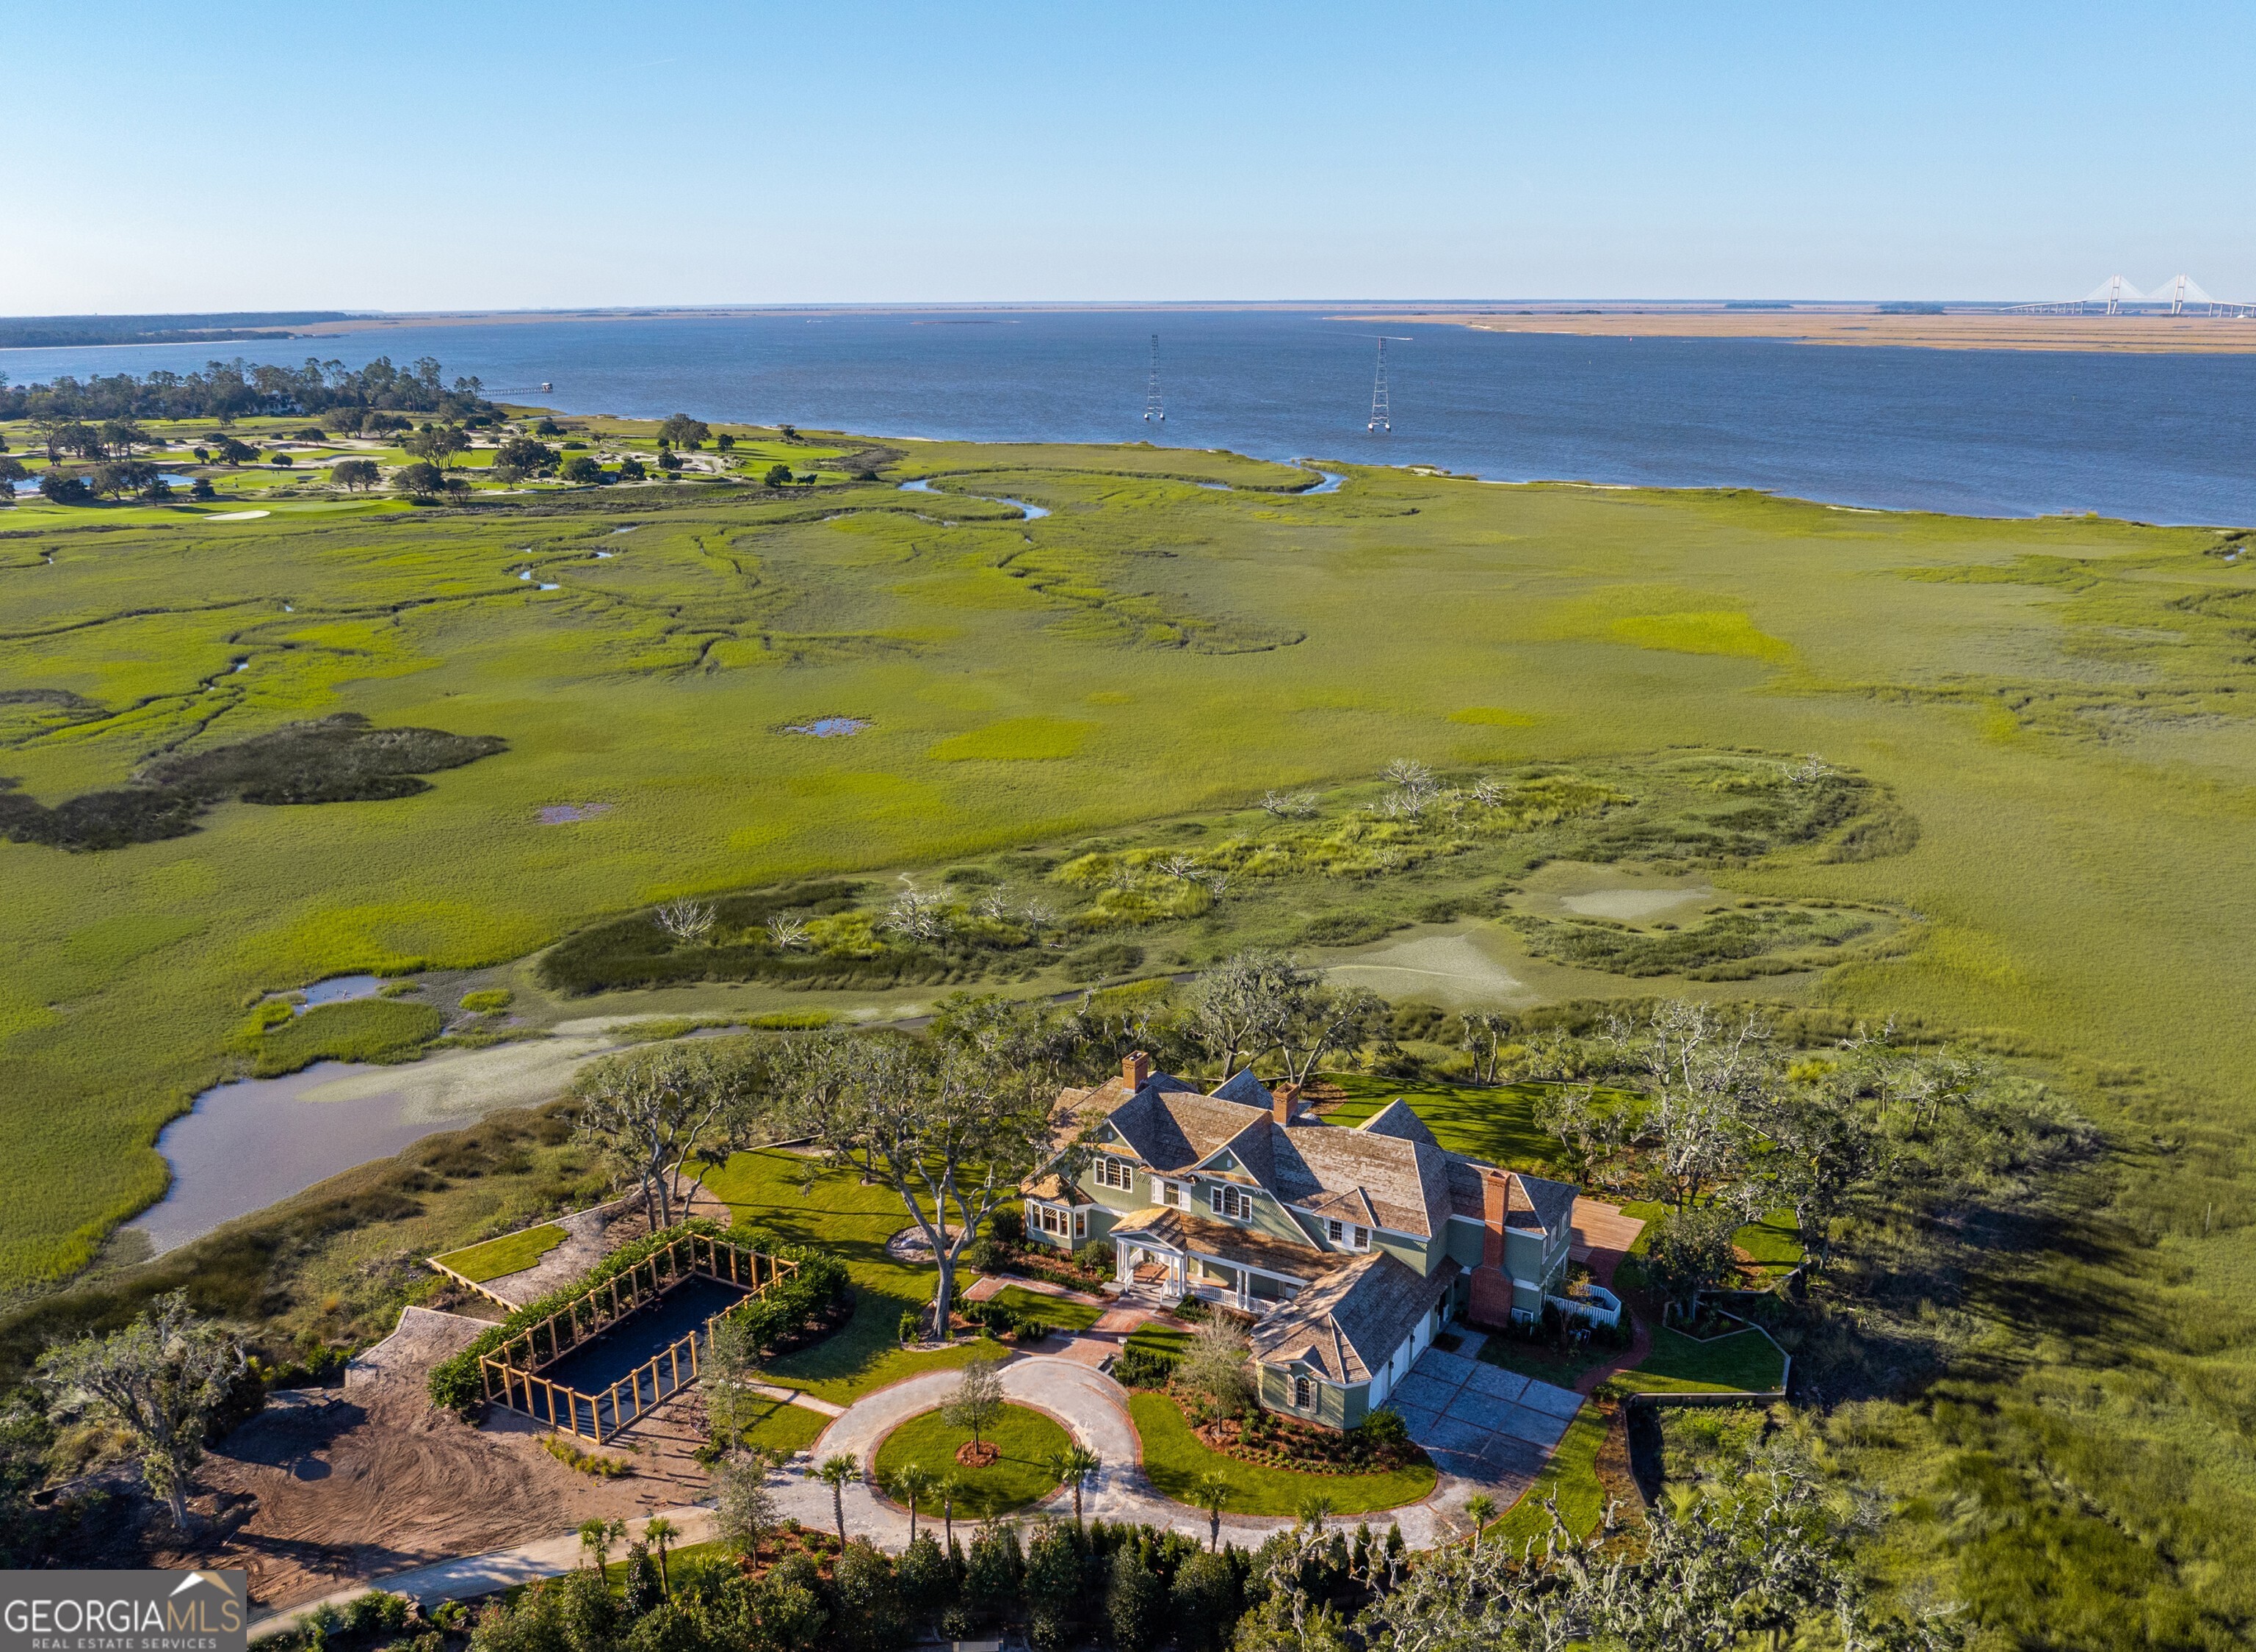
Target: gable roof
(1537,1202)
(1408,1182)
(1349,1323)
(1397,1120)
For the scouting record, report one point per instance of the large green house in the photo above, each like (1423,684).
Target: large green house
(1351,1247)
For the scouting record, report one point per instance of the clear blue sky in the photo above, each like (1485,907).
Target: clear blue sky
(412,155)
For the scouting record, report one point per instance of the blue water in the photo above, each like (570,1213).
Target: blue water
(2156,437)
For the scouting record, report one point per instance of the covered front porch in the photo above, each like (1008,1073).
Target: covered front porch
(1148,1265)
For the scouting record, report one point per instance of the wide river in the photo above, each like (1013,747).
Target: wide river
(2153,438)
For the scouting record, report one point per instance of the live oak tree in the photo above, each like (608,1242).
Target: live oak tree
(160,1380)
(356,473)
(649,1110)
(952,1122)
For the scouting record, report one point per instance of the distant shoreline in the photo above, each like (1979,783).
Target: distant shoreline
(1961,330)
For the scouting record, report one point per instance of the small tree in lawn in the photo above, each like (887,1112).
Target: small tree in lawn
(159,1378)
(650,1109)
(1074,1467)
(726,1378)
(975,1405)
(911,1484)
(952,1122)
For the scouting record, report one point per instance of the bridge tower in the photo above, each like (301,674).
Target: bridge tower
(1154,410)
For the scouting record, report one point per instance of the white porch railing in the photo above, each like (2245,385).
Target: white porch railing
(1596,1304)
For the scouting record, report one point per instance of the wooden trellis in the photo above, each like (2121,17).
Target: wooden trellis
(511,1374)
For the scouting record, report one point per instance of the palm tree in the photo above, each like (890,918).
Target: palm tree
(1210,1493)
(658,1532)
(836,1470)
(1312,1511)
(1074,1467)
(912,1483)
(596,1537)
(1480,1508)
(947,1488)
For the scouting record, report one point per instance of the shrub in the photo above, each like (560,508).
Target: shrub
(595,1463)
(1384,1428)
(1142,1368)
(1008,1225)
(492,998)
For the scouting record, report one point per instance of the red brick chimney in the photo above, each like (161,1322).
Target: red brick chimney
(1283,1100)
(1491,1302)
(1136,1069)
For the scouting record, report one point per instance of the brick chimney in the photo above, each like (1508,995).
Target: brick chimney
(1136,1069)
(1284,1100)
(1491,1302)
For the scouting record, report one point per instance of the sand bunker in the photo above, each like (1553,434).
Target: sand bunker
(1444,969)
(238,515)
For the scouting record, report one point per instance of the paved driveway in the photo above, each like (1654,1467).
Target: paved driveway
(1480,1422)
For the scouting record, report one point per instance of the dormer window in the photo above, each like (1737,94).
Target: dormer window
(1347,1235)
(1115,1173)
(1233,1202)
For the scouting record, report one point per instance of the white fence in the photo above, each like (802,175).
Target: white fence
(1596,1304)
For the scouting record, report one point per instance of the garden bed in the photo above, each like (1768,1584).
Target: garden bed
(1176,1459)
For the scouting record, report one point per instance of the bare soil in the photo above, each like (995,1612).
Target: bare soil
(330,1487)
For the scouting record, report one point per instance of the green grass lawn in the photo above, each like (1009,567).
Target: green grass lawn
(853,1222)
(1495,1122)
(510,1253)
(1020,1476)
(1052,1311)
(1174,1459)
(781,1426)
(1745,1361)
(1160,1339)
(1571,1476)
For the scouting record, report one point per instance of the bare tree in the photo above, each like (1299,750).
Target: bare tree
(919,916)
(1487,1034)
(786,934)
(1178,865)
(1701,1075)
(689,922)
(1036,915)
(1215,1364)
(952,1123)
(1292,806)
(649,1110)
(1319,1022)
(1241,1005)
(159,1378)
(1414,787)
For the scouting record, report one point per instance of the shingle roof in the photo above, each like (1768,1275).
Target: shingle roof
(1396,1119)
(1407,1181)
(1539,1203)
(1350,1323)
(1178,1230)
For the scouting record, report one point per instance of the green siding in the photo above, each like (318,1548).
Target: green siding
(1464,1241)
(1335,1407)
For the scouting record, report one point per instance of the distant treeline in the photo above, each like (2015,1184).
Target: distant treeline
(225,390)
(69,331)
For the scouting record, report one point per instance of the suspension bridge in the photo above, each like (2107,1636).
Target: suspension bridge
(2180,295)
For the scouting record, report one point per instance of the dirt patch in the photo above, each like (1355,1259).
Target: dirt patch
(978,1453)
(329,1488)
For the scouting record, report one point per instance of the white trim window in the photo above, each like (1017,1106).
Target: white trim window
(1050,1220)
(1304,1394)
(1347,1235)
(1117,1174)
(1226,1200)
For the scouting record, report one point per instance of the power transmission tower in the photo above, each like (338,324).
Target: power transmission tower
(1380,419)
(1153,411)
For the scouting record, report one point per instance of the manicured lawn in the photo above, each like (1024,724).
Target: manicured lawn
(1773,1243)
(781,1426)
(1160,1339)
(1495,1122)
(1745,1360)
(1174,1459)
(1572,1476)
(852,1222)
(1020,1476)
(1054,1311)
(510,1253)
